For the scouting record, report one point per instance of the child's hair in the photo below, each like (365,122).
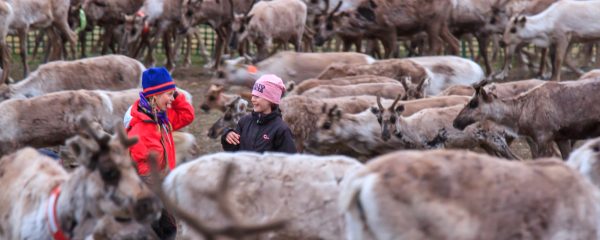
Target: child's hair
(274,106)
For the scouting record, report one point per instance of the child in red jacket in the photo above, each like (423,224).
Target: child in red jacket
(159,111)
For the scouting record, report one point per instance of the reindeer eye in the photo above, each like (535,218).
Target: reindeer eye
(327,125)
(110,176)
(316,21)
(211,98)
(242,29)
(220,74)
(133,31)
(329,26)
(513,30)
(189,13)
(227,117)
(493,21)
(393,119)
(473,104)
(379,119)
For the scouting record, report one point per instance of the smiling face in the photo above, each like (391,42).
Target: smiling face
(261,105)
(164,100)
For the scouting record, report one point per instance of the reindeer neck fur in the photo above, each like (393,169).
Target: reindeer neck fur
(538,28)
(360,128)
(509,112)
(74,206)
(422,128)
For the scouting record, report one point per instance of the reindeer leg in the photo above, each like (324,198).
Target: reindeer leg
(23,49)
(565,148)
(483,40)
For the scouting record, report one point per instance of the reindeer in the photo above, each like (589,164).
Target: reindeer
(432,17)
(216,99)
(359,135)
(386,90)
(289,66)
(28,14)
(234,111)
(266,22)
(549,112)
(308,208)
(392,68)
(299,89)
(219,15)
(34,122)
(456,195)
(43,201)
(111,72)
(432,128)
(554,27)
(110,14)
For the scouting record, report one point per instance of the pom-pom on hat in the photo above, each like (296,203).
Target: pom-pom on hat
(156,81)
(269,87)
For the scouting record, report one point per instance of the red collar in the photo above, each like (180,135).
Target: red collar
(146,28)
(53,223)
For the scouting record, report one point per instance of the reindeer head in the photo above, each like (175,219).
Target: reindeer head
(387,117)
(480,106)
(513,33)
(586,160)
(239,25)
(133,28)
(96,9)
(497,19)
(413,91)
(109,227)
(233,113)
(326,24)
(107,182)
(213,98)
(329,124)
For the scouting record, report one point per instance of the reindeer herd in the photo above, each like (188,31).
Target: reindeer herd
(414,147)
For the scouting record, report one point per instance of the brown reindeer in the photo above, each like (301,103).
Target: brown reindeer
(549,112)
(41,199)
(444,194)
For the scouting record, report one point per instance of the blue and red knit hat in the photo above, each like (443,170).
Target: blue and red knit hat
(156,81)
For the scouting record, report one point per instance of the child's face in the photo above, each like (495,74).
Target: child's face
(261,105)
(163,100)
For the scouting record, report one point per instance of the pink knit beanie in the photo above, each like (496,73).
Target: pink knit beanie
(269,87)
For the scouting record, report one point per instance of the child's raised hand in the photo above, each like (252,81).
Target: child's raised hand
(233,138)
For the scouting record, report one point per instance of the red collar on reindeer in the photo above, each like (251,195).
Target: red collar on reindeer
(146,28)
(57,233)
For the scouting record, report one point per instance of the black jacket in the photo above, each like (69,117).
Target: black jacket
(261,133)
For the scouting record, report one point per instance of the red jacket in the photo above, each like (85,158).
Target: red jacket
(180,115)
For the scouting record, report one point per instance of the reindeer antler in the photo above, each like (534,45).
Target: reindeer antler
(336,7)
(404,83)
(125,140)
(249,9)
(395,102)
(326,7)
(379,103)
(85,123)
(332,110)
(235,231)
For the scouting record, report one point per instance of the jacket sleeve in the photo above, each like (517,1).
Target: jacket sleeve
(285,141)
(181,113)
(230,147)
(139,152)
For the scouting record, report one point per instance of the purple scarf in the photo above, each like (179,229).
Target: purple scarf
(161,115)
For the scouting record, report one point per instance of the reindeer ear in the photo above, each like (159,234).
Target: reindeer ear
(399,108)
(522,20)
(485,95)
(248,18)
(367,13)
(337,113)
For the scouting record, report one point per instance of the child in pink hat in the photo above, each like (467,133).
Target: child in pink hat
(264,130)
